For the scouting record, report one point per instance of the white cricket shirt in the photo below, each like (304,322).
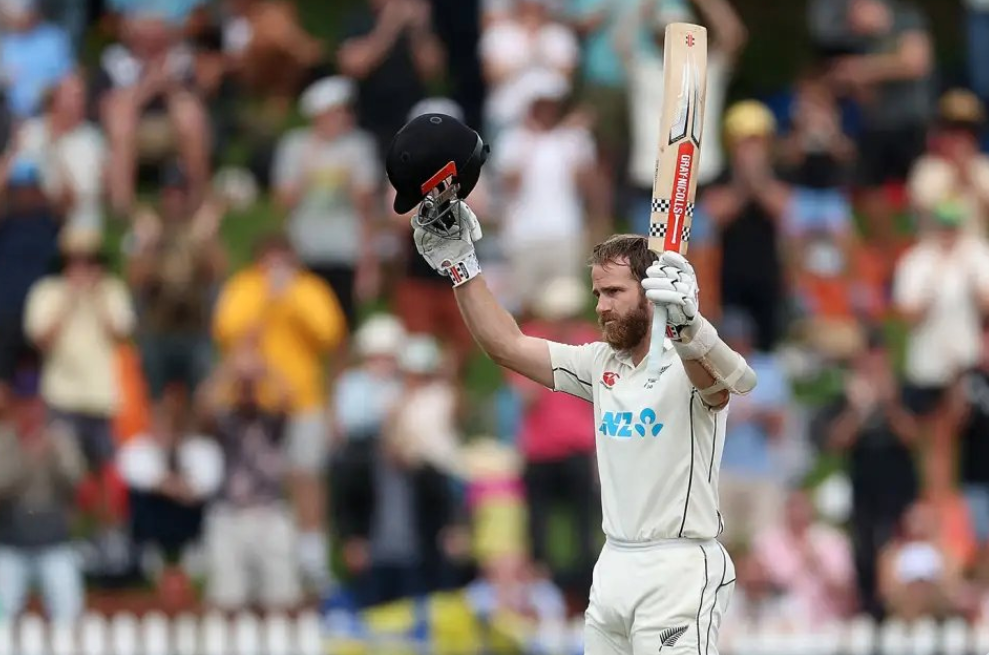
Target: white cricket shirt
(659,449)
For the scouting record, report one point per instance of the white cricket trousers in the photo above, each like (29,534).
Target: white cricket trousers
(661,597)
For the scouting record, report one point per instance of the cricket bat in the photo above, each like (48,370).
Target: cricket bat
(678,154)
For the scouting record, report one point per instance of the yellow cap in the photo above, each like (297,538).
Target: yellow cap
(748,118)
(961,106)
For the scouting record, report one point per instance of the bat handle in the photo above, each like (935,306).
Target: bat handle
(659,318)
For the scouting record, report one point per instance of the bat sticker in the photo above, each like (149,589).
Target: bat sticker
(688,106)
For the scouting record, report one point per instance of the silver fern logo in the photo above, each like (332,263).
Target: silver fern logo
(670,636)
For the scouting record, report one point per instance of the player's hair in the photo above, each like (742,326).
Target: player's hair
(630,250)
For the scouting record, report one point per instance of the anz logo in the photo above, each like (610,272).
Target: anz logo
(625,425)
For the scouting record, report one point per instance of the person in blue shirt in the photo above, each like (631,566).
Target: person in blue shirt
(34,56)
(603,74)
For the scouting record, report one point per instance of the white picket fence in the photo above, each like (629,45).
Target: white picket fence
(862,636)
(155,634)
(247,634)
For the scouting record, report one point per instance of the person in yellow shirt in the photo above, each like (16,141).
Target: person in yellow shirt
(295,321)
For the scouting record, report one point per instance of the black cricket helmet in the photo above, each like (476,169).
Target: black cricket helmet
(434,158)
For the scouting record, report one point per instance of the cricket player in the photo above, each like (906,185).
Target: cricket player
(662,582)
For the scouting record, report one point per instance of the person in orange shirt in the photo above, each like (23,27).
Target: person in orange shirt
(295,322)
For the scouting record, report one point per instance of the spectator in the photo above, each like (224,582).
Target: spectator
(72,155)
(970,405)
(413,503)
(746,206)
(34,56)
(170,472)
(149,108)
(527,39)
(268,50)
(546,166)
(917,578)
(604,92)
(496,506)
(363,399)
(953,167)
(77,319)
(390,49)
(944,325)
(295,321)
(513,590)
(645,71)
(39,470)
(175,261)
(557,441)
(818,225)
(889,75)
(422,433)
(754,599)
(810,563)
(326,178)
(250,534)
(878,434)
(752,478)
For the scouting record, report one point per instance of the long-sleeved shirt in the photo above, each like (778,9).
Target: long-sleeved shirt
(295,330)
(80,365)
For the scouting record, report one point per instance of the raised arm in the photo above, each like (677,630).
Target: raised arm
(451,253)
(729,33)
(499,335)
(711,365)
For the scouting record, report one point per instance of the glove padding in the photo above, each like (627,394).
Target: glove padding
(672,283)
(450,251)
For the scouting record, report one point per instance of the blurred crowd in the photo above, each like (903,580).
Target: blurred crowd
(300,416)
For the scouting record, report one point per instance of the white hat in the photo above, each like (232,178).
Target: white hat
(381,335)
(420,355)
(437,106)
(563,297)
(326,94)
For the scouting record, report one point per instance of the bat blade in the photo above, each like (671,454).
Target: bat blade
(681,131)
(677,157)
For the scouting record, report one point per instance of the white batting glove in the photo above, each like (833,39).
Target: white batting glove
(672,283)
(451,252)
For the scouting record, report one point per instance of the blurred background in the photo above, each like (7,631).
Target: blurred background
(239,415)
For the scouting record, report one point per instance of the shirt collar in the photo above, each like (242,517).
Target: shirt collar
(625,357)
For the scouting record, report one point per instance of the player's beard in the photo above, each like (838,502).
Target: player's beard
(626,332)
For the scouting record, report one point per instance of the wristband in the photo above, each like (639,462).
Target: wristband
(696,340)
(459,272)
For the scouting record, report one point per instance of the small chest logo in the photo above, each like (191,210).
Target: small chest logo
(609,379)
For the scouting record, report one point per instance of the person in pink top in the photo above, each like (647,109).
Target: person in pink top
(556,438)
(809,563)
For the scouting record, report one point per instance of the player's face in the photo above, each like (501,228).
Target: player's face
(622,308)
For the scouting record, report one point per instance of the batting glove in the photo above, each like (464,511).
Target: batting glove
(450,250)
(671,283)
